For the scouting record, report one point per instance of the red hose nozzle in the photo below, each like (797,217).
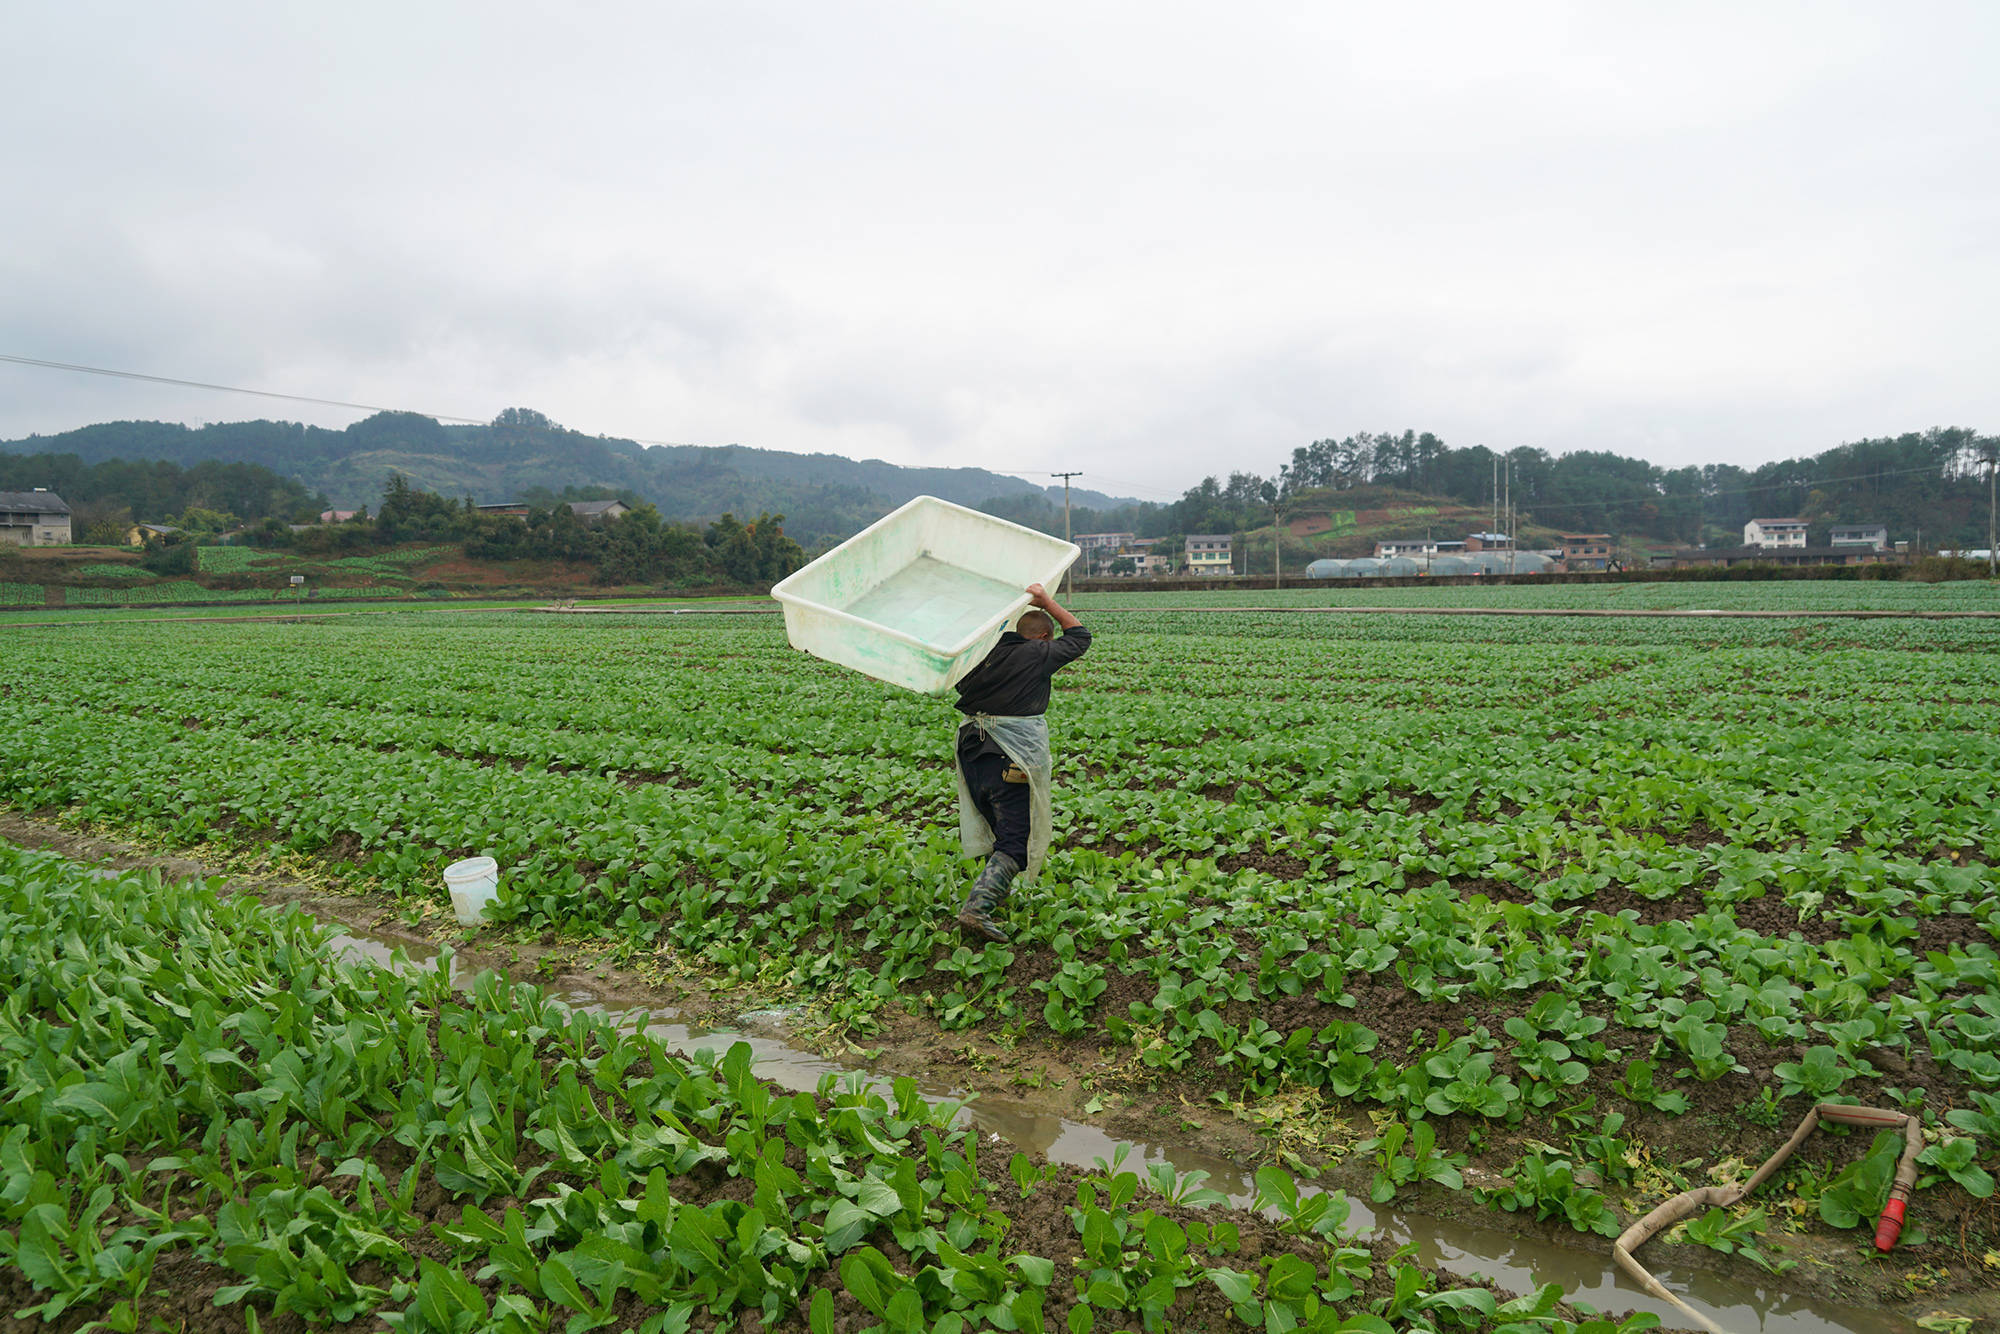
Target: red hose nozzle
(1890,1225)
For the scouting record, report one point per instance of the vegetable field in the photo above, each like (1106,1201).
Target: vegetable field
(1783,595)
(1551,913)
(204,1112)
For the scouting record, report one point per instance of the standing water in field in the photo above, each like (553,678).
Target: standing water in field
(1515,1262)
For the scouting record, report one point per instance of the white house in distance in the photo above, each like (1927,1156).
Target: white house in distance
(1419,547)
(1146,556)
(36,518)
(1874,535)
(1404,546)
(1774,533)
(1100,549)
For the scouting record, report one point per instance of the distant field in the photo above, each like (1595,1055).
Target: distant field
(1771,595)
(332,604)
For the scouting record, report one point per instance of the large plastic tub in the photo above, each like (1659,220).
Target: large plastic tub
(918,597)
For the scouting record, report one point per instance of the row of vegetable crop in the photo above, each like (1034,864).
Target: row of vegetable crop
(200,1101)
(1971,635)
(186,590)
(227,560)
(394,564)
(1787,595)
(1264,841)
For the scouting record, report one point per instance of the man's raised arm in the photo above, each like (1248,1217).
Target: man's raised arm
(1040,597)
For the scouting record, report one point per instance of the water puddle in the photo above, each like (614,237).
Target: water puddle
(1508,1259)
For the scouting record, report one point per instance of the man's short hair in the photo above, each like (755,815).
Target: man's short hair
(1035,623)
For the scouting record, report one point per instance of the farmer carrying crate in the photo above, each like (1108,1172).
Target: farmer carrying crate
(1003,766)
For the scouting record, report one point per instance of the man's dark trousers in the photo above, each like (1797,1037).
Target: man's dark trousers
(1004,805)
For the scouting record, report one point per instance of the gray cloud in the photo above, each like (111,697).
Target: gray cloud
(1152,243)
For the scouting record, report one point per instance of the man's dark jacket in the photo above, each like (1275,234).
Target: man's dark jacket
(1013,682)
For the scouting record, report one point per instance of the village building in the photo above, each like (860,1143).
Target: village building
(590,511)
(1774,533)
(1874,535)
(1100,549)
(1586,552)
(141,533)
(37,518)
(1850,554)
(1419,548)
(1209,554)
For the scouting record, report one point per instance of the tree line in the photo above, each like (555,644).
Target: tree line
(106,499)
(1924,482)
(637,547)
(1927,486)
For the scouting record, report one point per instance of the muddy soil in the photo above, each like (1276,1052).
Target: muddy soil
(1079,1080)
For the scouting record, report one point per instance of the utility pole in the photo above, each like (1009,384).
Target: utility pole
(1277,552)
(1991,458)
(1992,462)
(1069,575)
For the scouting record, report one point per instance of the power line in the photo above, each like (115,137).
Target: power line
(1700,496)
(228,388)
(1652,497)
(1139,488)
(271,393)
(1638,499)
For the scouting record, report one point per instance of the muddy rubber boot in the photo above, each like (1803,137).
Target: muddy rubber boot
(988,896)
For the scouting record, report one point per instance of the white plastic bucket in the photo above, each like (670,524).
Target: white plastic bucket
(473,884)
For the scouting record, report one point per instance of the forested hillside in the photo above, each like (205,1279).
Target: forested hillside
(1929,487)
(521,450)
(1929,482)
(1926,486)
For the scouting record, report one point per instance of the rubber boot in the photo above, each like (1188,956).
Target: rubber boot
(989,896)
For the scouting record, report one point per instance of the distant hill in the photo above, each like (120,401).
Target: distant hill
(823,497)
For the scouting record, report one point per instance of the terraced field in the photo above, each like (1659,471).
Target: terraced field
(1551,913)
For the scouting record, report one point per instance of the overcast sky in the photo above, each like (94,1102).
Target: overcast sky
(1147,241)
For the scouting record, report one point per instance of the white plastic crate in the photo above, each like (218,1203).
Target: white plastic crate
(920,596)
